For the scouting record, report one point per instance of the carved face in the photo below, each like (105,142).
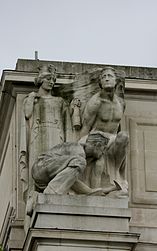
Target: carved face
(108,79)
(47,82)
(94,149)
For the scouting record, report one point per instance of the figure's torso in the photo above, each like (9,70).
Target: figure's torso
(47,125)
(50,111)
(108,115)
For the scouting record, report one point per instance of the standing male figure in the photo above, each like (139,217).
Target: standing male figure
(104,112)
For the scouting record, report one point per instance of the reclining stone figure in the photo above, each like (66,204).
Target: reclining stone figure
(60,169)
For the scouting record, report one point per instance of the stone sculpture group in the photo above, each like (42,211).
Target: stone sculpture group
(53,160)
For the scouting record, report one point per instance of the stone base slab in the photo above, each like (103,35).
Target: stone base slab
(67,240)
(78,223)
(88,213)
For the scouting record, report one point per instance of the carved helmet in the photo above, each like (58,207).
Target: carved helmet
(44,71)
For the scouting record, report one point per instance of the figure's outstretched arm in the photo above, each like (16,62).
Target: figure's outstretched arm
(81,188)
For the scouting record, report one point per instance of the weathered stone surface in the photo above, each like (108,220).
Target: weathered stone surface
(81,213)
(43,124)
(103,112)
(48,128)
(79,240)
(69,222)
(71,200)
(60,168)
(139,120)
(70,67)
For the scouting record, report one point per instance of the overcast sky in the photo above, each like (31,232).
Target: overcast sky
(122,32)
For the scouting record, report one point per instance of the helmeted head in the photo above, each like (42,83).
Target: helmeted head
(46,77)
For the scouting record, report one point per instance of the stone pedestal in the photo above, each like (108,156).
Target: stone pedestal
(62,222)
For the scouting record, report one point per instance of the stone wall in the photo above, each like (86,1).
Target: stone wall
(140,120)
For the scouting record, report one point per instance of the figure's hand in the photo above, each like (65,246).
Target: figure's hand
(76,102)
(75,113)
(31,202)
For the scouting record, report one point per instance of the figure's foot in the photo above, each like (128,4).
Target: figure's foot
(118,185)
(123,193)
(31,201)
(119,192)
(49,190)
(109,189)
(96,191)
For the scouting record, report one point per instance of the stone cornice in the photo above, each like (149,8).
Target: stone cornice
(28,77)
(73,67)
(37,237)
(141,84)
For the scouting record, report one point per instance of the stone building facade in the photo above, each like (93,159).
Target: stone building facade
(79,222)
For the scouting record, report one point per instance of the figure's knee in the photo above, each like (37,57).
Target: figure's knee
(39,175)
(78,170)
(79,164)
(122,139)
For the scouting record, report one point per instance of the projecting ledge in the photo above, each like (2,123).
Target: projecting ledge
(87,213)
(42,239)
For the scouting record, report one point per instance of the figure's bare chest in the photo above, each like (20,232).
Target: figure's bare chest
(110,110)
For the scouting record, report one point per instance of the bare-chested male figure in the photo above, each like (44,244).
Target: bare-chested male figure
(104,112)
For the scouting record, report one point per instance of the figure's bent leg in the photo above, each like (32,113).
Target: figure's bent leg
(96,173)
(117,153)
(63,181)
(121,143)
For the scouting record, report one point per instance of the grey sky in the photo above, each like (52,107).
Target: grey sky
(120,32)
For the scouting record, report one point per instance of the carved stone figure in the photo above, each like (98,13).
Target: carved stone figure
(60,168)
(45,122)
(103,112)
